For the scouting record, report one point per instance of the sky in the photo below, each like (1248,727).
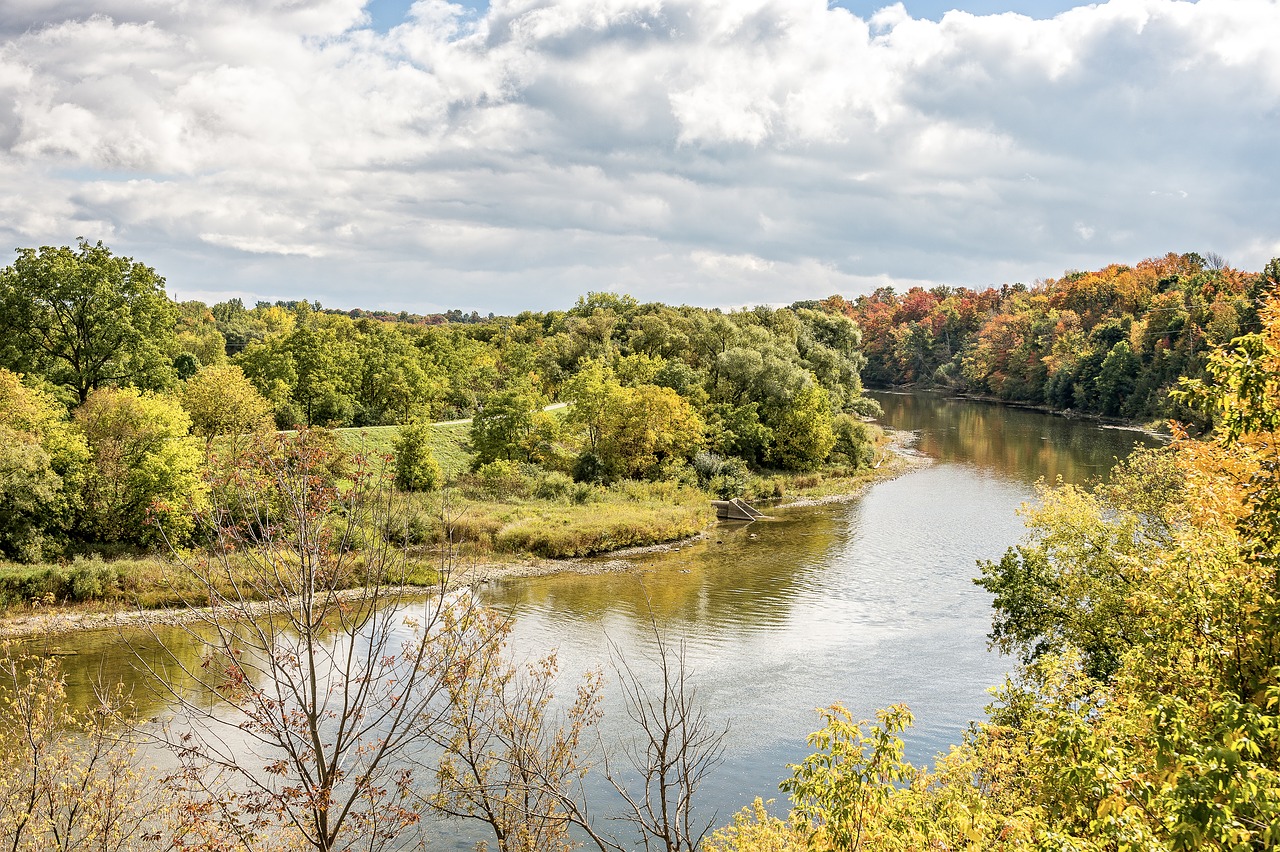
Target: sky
(517,154)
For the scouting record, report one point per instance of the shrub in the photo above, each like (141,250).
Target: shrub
(552,486)
(731,480)
(412,527)
(865,406)
(590,468)
(90,579)
(853,441)
(707,465)
(500,480)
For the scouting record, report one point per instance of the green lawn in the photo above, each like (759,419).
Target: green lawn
(448,444)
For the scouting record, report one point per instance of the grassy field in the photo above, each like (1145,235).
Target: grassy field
(448,444)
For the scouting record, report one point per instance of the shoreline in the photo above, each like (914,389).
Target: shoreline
(901,459)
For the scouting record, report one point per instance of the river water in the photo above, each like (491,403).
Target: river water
(868,602)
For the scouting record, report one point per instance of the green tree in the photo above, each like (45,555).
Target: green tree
(416,466)
(42,465)
(841,788)
(83,318)
(221,401)
(198,334)
(593,394)
(321,388)
(503,427)
(144,469)
(271,368)
(803,435)
(1117,378)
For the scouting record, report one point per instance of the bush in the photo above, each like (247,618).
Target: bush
(413,527)
(85,579)
(90,579)
(677,471)
(552,486)
(707,465)
(591,468)
(865,406)
(500,480)
(853,441)
(723,477)
(24,585)
(731,480)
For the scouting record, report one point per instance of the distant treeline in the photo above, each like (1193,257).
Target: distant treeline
(1111,342)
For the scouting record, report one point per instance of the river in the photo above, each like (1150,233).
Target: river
(868,602)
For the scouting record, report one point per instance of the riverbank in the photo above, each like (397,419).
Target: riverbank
(898,458)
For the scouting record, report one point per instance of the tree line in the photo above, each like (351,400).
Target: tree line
(1111,342)
(117,396)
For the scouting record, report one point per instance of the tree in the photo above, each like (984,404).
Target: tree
(841,788)
(416,467)
(221,401)
(592,393)
(330,693)
(144,469)
(646,426)
(1069,585)
(320,358)
(508,761)
(503,427)
(676,750)
(84,319)
(803,434)
(42,467)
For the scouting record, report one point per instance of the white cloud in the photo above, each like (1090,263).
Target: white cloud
(709,151)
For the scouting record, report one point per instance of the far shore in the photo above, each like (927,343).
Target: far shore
(17,625)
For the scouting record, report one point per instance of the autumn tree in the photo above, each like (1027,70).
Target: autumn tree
(593,394)
(71,779)
(646,426)
(84,318)
(329,694)
(508,759)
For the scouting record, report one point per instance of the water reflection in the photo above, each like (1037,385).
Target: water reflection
(1012,442)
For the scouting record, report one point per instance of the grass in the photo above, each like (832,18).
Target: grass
(449,444)
(581,524)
